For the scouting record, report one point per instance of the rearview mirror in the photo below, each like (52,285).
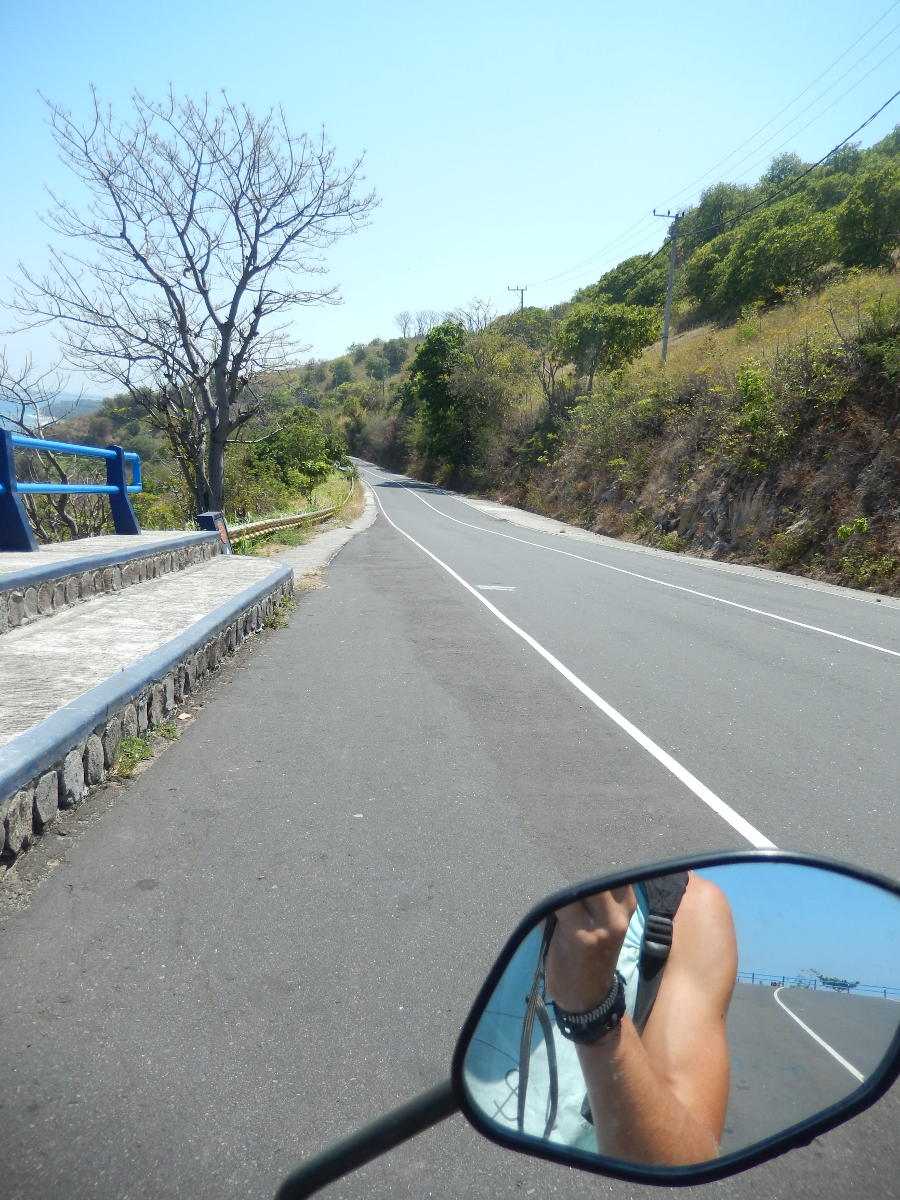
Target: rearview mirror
(681,1027)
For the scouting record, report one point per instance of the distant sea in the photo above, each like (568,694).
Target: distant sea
(66,404)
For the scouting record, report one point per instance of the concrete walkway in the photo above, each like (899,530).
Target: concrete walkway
(318,552)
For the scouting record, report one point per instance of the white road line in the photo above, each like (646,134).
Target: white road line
(700,790)
(815,1037)
(760,612)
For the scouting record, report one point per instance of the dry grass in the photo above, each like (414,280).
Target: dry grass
(356,505)
(311,582)
(333,493)
(830,317)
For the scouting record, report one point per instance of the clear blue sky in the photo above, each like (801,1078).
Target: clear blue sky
(510,141)
(790,919)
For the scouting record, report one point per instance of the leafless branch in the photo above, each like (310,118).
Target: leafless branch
(201,228)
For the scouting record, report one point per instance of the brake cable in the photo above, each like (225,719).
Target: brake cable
(536,1006)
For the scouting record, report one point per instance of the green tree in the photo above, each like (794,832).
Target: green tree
(605,336)
(773,251)
(782,169)
(701,276)
(462,384)
(357,392)
(396,352)
(868,223)
(486,378)
(446,434)
(341,371)
(537,331)
(847,160)
(640,279)
(378,368)
(719,210)
(299,452)
(827,189)
(777,257)
(314,373)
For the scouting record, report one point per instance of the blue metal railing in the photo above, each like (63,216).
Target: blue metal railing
(15,528)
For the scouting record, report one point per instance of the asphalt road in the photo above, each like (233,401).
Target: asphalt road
(780,1072)
(273,934)
(858,1027)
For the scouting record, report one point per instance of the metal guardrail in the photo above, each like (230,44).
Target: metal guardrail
(254,529)
(812,983)
(15,527)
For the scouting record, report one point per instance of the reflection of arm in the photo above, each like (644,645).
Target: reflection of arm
(660,1097)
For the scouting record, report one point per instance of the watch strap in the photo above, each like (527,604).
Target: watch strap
(587,1028)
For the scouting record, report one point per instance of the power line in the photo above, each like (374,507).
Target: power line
(769,200)
(788,186)
(791,183)
(796,133)
(800,96)
(645,223)
(642,221)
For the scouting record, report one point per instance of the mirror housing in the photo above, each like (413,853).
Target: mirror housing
(790,873)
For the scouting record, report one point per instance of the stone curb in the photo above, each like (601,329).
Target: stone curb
(51,765)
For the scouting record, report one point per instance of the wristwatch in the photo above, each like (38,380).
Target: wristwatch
(587,1028)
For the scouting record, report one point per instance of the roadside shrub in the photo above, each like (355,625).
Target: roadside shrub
(757,434)
(867,570)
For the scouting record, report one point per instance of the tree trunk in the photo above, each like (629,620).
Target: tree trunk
(216,472)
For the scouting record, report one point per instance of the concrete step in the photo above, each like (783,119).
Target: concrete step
(49,664)
(37,585)
(71,687)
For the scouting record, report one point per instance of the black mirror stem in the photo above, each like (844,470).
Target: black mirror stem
(382,1135)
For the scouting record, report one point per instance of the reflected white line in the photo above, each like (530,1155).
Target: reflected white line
(815,1037)
(682,774)
(675,587)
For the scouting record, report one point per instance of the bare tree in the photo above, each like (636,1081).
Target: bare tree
(426,319)
(203,229)
(476,316)
(30,405)
(404,322)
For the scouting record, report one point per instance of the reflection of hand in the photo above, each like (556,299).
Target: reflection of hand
(585,947)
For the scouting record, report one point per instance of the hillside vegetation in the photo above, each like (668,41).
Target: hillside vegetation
(280,466)
(770,434)
(775,441)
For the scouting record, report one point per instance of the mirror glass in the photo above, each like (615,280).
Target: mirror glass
(689,1017)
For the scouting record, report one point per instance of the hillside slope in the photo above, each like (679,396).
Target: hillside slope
(774,441)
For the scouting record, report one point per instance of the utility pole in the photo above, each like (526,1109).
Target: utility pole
(674,218)
(521,291)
